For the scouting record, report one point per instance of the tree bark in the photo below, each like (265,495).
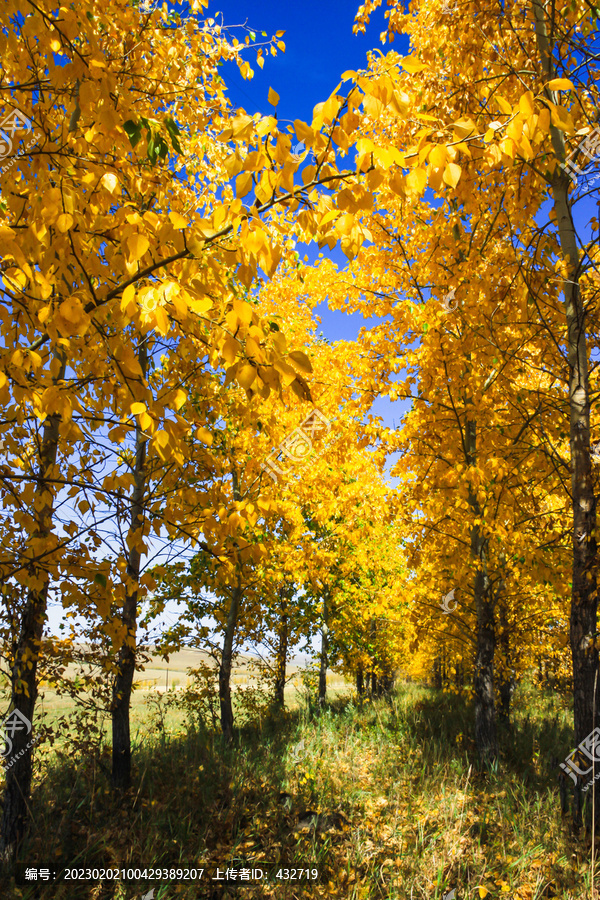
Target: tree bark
(506,680)
(282,651)
(584,601)
(360,684)
(507,673)
(123,681)
(437,673)
(459,678)
(324,651)
(27,652)
(486,738)
(226,664)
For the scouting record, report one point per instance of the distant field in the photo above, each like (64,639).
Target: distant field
(160,677)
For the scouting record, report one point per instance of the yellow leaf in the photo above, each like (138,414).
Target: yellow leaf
(138,408)
(145,421)
(17,279)
(128,296)
(438,156)
(243,184)
(526,104)
(273,96)
(138,245)
(180,398)
(345,224)
(71,310)
(230,350)
(303,131)
(200,306)
(177,220)
(416,180)
(411,64)
(483,891)
(301,360)
(243,311)
(561,84)
(162,438)
(288,374)
(452,174)
(561,118)
(64,222)
(246,376)
(110,182)
(204,435)
(465,127)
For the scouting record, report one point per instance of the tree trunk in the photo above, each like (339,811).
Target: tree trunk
(387,683)
(584,601)
(459,678)
(374,687)
(506,678)
(324,650)
(123,681)
(228,641)
(27,651)
(226,664)
(437,673)
(282,650)
(486,738)
(360,684)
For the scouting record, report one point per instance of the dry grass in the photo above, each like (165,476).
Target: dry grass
(384,800)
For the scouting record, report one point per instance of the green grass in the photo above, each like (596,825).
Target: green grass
(385,800)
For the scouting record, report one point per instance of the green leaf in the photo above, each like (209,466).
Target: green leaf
(173,130)
(100,579)
(163,148)
(133,130)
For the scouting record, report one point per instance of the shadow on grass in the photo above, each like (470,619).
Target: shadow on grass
(200,803)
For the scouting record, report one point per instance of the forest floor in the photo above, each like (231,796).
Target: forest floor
(383,800)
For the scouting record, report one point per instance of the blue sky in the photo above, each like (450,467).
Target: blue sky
(320,46)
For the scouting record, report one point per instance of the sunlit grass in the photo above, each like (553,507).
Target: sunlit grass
(384,799)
